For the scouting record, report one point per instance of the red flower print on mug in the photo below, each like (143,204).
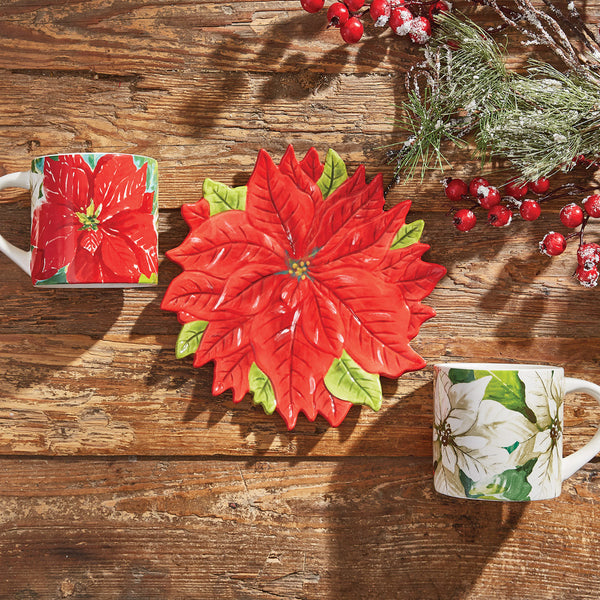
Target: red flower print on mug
(97,224)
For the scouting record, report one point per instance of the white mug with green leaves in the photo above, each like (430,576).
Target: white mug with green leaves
(498,431)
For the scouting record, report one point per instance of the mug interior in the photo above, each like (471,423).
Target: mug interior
(495,366)
(64,154)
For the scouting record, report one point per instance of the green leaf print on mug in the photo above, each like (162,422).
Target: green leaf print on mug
(511,485)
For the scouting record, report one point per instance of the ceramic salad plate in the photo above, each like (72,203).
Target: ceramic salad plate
(300,287)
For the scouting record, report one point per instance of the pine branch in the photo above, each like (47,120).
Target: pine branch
(540,120)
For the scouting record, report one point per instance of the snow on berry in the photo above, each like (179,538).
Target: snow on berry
(338,14)
(588,255)
(591,204)
(420,30)
(380,11)
(488,196)
(464,219)
(530,210)
(499,216)
(352,30)
(540,186)
(571,215)
(400,20)
(455,189)
(587,277)
(517,190)
(553,244)
(476,184)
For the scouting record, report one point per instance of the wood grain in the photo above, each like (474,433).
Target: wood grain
(121,476)
(299,529)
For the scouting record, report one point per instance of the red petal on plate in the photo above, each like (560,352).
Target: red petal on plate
(277,207)
(195,214)
(419,313)
(416,278)
(231,372)
(293,365)
(194,293)
(289,166)
(223,243)
(352,202)
(311,165)
(332,408)
(322,325)
(376,321)
(365,244)
(223,338)
(251,289)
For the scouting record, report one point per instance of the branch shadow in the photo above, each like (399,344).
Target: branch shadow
(410,541)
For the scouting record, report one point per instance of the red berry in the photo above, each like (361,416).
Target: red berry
(312,6)
(354,5)
(553,244)
(400,20)
(456,189)
(488,196)
(588,255)
(592,205)
(464,219)
(380,11)
(571,215)
(420,30)
(437,8)
(499,216)
(476,184)
(587,277)
(337,14)
(352,30)
(530,209)
(516,190)
(540,186)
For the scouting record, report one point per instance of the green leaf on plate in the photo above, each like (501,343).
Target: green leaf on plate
(349,381)
(507,388)
(261,387)
(152,279)
(334,173)
(221,197)
(408,234)
(189,338)
(60,277)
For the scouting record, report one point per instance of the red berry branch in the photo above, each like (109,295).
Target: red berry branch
(404,17)
(502,208)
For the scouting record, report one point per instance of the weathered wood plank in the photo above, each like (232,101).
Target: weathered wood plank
(357,528)
(77,395)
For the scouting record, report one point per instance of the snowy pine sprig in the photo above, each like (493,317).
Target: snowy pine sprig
(540,120)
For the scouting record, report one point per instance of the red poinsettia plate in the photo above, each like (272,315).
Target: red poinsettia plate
(300,287)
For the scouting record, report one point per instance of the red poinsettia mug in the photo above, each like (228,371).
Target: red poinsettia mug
(93,220)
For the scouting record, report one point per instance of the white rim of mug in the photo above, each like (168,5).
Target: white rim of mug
(465,366)
(92,153)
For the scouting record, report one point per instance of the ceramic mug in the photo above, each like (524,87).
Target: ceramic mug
(498,431)
(93,220)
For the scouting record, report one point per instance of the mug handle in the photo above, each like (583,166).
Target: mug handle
(572,463)
(20,257)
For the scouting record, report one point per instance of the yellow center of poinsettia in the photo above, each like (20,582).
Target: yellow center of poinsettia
(299,268)
(89,219)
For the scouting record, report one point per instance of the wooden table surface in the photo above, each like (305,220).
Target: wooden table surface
(121,476)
